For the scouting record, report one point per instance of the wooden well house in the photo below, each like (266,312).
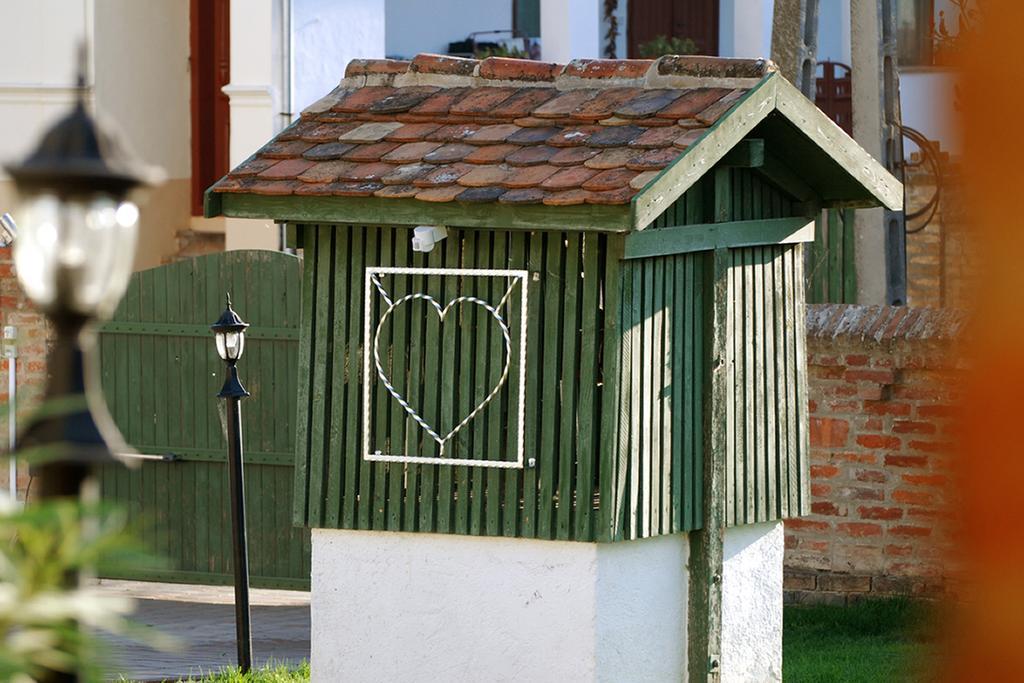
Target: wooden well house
(605,341)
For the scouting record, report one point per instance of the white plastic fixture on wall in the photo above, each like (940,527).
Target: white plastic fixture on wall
(517,278)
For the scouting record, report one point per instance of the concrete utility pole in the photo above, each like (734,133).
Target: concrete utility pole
(795,42)
(880,233)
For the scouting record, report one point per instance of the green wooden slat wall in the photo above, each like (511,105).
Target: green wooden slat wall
(614,383)
(160,375)
(831,261)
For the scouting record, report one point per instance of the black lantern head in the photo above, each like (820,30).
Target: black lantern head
(229,335)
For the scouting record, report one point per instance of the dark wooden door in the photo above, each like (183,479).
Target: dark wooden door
(693,19)
(211,71)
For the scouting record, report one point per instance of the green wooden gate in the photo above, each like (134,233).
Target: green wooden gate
(160,376)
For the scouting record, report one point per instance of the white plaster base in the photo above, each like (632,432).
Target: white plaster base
(416,607)
(752,604)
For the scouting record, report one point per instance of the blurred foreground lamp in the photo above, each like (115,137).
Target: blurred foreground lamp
(74,253)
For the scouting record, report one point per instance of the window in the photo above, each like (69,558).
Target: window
(914,27)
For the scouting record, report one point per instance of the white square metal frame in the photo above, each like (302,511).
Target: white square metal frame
(373,372)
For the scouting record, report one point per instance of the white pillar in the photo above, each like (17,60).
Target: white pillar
(252,100)
(745,28)
(570,29)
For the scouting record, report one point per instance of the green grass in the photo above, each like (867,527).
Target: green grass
(268,674)
(884,640)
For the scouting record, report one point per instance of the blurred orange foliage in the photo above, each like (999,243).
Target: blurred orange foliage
(987,635)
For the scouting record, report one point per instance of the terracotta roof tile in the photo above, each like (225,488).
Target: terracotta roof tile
(532,136)
(523,102)
(407,173)
(368,153)
(440,102)
(442,175)
(326,171)
(445,154)
(481,100)
(568,178)
(445,193)
(361,99)
(593,131)
(693,102)
(253,166)
(492,135)
(608,68)
(641,179)
(412,132)
(402,99)
(647,103)
(289,168)
(397,191)
(453,132)
(482,176)
(531,156)
(370,132)
(284,149)
(327,151)
(564,104)
(490,154)
(567,198)
(504,69)
(611,158)
(572,137)
(653,159)
(528,176)
(603,104)
(654,138)
(479,195)
(615,137)
(621,195)
(273,187)
(611,179)
(716,110)
(409,152)
(529,195)
(372,171)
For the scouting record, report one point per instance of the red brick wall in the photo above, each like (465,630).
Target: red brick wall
(31,362)
(882,384)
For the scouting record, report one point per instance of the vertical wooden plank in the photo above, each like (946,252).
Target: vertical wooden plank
(553,281)
(351,349)
(780,382)
(481,350)
(380,426)
(750,423)
(818,282)
(622,406)
(771,403)
(364,506)
(513,314)
(399,370)
(761,413)
(586,452)
(849,258)
(836,242)
(652,370)
(667,312)
(734,408)
(465,403)
(450,289)
(706,544)
(321,400)
(682,396)
(569,372)
(334,453)
(637,442)
(535,358)
(799,325)
(608,449)
(428,494)
(493,414)
(414,434)
(792,446)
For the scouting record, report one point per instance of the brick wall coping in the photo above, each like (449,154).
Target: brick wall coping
(883,324)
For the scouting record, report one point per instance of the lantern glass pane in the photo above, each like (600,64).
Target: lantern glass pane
(230,345)
(76,254)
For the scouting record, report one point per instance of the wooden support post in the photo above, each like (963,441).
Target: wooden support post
(706,544)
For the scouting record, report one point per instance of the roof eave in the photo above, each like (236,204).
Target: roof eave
(385,211)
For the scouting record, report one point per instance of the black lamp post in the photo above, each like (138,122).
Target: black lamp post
(74,253)
(74,250)
(229,333)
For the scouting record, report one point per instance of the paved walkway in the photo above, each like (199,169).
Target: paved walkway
(203,618)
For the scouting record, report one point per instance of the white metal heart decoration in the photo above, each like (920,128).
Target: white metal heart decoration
(442,312)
